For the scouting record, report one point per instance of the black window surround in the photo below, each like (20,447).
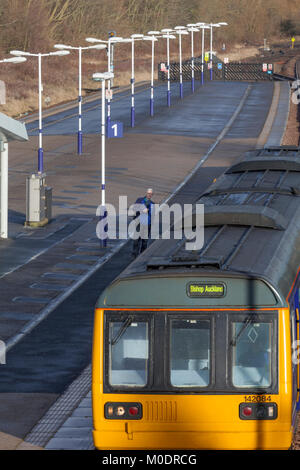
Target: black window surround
(159,361)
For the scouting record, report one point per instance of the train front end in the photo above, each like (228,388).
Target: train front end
(214,373)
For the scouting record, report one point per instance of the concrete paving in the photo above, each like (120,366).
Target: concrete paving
(44,362)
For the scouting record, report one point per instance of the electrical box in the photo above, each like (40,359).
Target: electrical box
(38,201)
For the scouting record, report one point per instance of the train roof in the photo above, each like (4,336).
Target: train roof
(252,226)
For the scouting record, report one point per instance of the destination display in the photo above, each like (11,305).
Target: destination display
(206,289)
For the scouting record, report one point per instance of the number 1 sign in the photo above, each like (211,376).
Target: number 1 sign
(114,129)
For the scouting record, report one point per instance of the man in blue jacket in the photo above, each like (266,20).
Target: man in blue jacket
(140,244)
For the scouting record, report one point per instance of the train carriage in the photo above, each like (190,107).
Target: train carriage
(199,349)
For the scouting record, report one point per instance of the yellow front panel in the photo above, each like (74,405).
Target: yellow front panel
(193,421)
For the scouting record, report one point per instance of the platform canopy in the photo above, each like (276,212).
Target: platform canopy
(10,130)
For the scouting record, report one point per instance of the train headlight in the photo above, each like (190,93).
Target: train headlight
(123,410)
(120,411)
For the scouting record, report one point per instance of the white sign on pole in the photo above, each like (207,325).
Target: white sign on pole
(226,60)
(108,94)
(163,68)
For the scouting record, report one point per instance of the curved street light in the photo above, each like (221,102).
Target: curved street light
(192,29)
(132,80)
(111,40)
(180,30)
(213,25)
(39,56)
(153,35)
(202,26)
(167,35)
(79,49)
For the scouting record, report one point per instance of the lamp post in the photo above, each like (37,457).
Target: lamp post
(202,26)
(133,38)
(213,25)
(166,34)
(111,40)
(211,48)
(79,49)
(152,35)
(102,77)
(180,30)
(192,29)
(39,56)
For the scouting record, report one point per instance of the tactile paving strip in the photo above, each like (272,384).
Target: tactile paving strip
(60,411)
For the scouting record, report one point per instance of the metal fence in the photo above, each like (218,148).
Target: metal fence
(233,71)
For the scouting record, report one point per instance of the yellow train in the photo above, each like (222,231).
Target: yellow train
(199,350)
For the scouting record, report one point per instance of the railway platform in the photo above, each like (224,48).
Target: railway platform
(51,277)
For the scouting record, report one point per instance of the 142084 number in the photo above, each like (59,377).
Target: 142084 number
(257,398)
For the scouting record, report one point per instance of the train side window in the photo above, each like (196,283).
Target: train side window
(251,354)
(190,353)
(128,353)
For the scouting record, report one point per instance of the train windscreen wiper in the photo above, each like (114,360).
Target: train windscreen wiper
(122,330)
(248,320)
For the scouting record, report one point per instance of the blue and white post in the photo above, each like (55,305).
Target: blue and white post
(166,34)
(79,49)
(192,29)
(180,68)
(202,56)
(103,212)
(132,113)
(217,25)
(211,52)
(40,149)
(132,80)
(108,118)
(40,92)
(153,39)
(79,138)
(103,208)
(152,78)
(168,72)
(180,30)
(202,26)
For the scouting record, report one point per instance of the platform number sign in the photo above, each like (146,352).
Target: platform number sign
(114,129)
